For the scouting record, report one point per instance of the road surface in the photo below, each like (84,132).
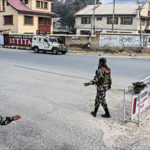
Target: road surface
(48,92)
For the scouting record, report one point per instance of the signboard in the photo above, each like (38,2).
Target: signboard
(75,38)
(1,39)
(20,40)
(141,101)
(119,41)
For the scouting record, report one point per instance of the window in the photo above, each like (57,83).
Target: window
(38,4)
(3,5)
(41,21)
(148,22)
(41,4)
(85,20)
(45,4)
(44,21)
(8,20)
(7,4)
(83,32)
(110,20)
(28,20)
(126,20)
(26,1)
(98,18)
(47,21)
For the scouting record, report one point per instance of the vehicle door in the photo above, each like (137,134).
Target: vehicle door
(46,44)
(40,43)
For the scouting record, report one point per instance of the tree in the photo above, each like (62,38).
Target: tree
(66,9)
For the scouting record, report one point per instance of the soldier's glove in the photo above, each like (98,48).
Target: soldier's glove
(17,117)
(86,84)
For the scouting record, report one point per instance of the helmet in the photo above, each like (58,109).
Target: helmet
(102,61)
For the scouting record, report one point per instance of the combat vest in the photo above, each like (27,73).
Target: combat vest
(106,81)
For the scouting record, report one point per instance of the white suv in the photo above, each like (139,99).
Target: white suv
(44,43)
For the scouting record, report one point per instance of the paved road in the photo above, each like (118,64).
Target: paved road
(124,69)
(47,91)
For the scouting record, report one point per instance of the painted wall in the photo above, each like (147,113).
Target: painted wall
(30,29)
(119,41)
(9,11)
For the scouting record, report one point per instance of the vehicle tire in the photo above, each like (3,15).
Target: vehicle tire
(55,51)
(63,52)
(36,49)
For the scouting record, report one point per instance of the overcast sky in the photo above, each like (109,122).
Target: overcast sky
(121,1)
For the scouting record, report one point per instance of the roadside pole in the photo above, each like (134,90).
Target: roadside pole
(141,36)
(92,24)
(113,19)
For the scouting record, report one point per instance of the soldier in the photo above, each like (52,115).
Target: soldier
(7,120)
(103,82)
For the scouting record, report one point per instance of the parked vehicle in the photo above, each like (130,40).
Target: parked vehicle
(47,44)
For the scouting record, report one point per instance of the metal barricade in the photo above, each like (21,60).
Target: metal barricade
(136,106)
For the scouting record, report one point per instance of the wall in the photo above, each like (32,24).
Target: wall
(78,41)
(119,40)
(124,41)
(98,42)
(102,41)
(30,29)
(27,28)
(9,11)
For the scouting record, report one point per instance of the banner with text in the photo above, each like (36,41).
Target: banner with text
(141,101)
(20,40)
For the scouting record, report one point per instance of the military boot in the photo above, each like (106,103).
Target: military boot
(95,111)
(107,114)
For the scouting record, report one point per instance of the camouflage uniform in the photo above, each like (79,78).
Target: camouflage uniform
(101,88)
(5,120)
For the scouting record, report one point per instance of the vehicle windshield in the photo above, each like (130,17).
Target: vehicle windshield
(52,40)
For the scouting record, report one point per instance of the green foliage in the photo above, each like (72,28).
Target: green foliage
(66,9)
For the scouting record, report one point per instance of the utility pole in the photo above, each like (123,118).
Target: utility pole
(141,36)
(93,19)
(92,24)
(113,19)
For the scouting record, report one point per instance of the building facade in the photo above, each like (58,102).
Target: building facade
(126,18)
(26,16)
